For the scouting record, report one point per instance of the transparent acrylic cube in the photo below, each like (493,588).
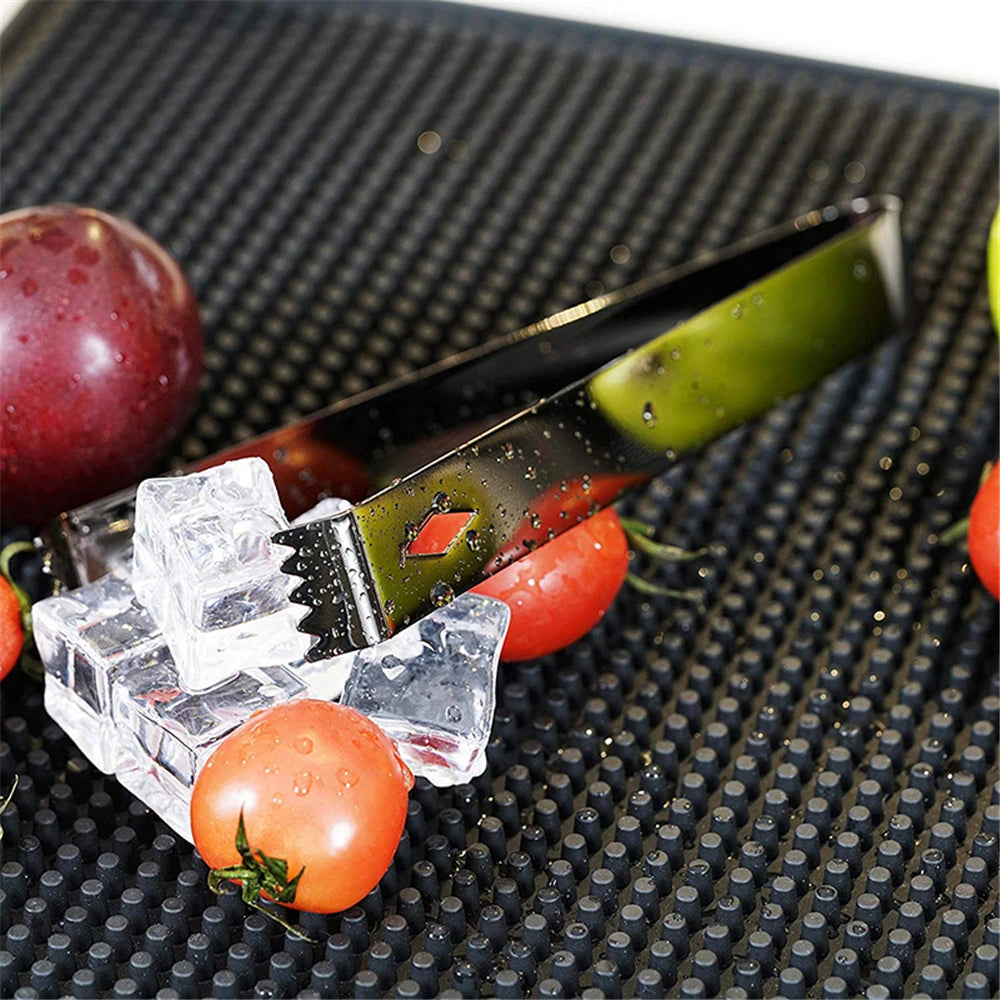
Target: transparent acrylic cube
(209,574)
(85,638)
(432,687)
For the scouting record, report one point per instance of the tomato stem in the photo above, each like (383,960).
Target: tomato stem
(955,532)
(8,553)
(6,802)
(640,535)
(655,590)
(257,873)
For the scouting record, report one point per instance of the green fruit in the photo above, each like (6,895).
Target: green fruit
(993,270)
(736,359)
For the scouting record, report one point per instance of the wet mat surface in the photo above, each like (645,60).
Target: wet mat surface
(789,781)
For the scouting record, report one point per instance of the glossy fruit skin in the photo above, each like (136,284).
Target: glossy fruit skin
(559,592)
(320,785)
(984,532)
(11,632)
(101,355)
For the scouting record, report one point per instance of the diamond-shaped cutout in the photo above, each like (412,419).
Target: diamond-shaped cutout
(439,532)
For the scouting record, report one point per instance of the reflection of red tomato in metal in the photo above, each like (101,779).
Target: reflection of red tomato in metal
(559,592)
(306,469)
(561,506)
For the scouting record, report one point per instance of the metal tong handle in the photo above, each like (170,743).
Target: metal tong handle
(680,359)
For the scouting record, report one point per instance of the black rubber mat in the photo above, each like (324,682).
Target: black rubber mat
(787,787)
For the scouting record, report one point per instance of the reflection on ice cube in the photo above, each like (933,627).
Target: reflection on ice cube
(432,687)
(208,572)
(167,734)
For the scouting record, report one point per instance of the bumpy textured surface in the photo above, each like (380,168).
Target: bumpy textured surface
(788,787)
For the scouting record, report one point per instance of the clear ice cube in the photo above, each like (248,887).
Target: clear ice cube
(85,637)
(111,683)
(432,687)
(208,572)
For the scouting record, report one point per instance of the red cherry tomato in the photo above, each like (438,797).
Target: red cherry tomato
(11,632)
(100,361)
(319,786)
(984,532)
(559,592)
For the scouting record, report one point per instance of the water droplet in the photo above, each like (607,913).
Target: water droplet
(506,452)
(675,353)
(860,270)
(441,594)
(737,311)
(649,415)
(441,502)
(536,521)
(429,141)
(389,605)
(530,472)
(473,540)
(453,713)
(347,777)
(410,531)
(303,782)
(585,484)
(277,800)
(303,745)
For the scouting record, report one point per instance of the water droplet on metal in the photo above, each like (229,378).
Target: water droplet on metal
(453,713)
(473,540)
(441,594)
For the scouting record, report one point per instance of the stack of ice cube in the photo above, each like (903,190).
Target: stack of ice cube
(112,684)
(148,670)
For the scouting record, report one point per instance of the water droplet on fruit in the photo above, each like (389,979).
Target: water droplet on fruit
(303,782)
(347,777)
(303,745)
(277,800)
